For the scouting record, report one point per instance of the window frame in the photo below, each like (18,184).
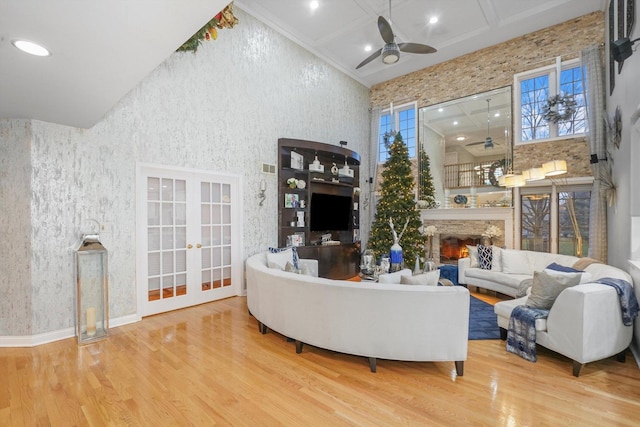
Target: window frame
(413,105)
(554,72)
(553,189)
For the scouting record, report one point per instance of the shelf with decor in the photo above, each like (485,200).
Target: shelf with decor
(318,194)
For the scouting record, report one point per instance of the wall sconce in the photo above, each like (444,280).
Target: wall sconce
(621,48)
(261,195)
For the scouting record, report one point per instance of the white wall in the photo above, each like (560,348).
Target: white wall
(222,109)
(625,170)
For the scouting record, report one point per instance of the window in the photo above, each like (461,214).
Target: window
(556,219)
(402,120)
(533,89)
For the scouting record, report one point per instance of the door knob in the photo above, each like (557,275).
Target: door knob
(189,246)
(198,246)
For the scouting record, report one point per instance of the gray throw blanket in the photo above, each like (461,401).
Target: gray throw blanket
(628,301)
(521,336)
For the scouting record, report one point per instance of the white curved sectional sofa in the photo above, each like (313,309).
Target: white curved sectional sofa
(585,321)
(377,321)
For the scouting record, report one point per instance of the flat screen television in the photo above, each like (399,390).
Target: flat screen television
(329,212)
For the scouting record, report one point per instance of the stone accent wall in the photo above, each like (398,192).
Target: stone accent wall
(494,67)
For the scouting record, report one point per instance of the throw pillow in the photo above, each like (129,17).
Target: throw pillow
(278,257)
(485,256)
(496,262)
(290,268)
(473,256)
(429,278)
(546,288)
(394,277)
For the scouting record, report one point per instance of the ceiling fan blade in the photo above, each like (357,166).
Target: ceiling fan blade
(474,143)
(371,57)
(385,30)
(416,48)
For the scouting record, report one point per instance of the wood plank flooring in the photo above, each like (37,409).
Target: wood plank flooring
(209,365)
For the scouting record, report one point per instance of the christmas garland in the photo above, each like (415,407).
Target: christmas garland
(224,19)
(559,108)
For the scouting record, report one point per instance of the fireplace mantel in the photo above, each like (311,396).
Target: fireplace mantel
(473,214)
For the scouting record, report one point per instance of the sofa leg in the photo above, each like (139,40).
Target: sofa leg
(622,357)
(503,334)
(372,364)
(577,367)
(262,328)
(299,345)
(460,367)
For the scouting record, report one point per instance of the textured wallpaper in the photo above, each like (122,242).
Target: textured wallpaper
(15,231)
(222,109)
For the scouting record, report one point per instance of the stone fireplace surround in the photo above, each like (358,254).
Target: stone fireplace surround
(468,223)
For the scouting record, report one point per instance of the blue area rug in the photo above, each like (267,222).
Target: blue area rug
(483,322)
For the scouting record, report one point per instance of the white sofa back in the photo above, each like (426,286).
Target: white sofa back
(517,261)
(387,321)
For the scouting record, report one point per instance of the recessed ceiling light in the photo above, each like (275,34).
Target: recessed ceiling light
(455,123)
(460,138)
(497,114)
(440,110)
(31,47)
(367,48)
(433,20)
(314,5)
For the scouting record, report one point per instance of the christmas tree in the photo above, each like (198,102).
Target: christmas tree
(397,203)
(426,191)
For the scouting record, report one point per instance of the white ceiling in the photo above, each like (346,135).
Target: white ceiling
(339,30)
(103,49)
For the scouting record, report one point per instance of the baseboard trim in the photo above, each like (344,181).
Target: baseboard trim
(61,334)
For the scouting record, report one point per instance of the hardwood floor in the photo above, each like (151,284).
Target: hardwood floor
(209,365)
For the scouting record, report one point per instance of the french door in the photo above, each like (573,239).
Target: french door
(189,238)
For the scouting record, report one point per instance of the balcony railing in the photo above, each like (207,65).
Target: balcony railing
(475,174)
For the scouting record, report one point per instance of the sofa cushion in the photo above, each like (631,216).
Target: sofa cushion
(504,308)
(278,258)
(546,288)
(512,280)
(394,277)
(473,256)
(430,278)
(485,256)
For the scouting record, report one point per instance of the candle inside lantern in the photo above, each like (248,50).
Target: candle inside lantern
(91,321)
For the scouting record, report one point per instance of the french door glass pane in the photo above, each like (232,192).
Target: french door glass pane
(573,211)
(536,222)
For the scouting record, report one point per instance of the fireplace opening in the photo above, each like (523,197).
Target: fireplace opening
(452,248)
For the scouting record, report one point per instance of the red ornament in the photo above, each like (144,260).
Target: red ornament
(207,36)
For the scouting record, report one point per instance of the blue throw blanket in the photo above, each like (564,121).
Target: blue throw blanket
(521,336)
(628,301)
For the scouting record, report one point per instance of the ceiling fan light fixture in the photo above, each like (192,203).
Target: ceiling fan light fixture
(390,53)
(488,143)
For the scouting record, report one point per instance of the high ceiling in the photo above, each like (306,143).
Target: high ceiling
(101,50)
(339,30)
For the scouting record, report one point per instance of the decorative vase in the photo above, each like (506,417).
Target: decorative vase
(396,257)
(416,267)
(430,265)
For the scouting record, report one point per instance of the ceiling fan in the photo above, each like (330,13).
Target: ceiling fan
(488,142)
(391,50)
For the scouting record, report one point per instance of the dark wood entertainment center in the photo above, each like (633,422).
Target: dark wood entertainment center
(341,258)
